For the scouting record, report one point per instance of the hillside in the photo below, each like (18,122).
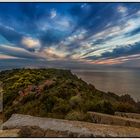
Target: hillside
(59,94)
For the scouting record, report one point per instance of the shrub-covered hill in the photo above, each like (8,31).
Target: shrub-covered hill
(57,93)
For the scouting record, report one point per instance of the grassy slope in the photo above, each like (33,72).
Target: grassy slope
(57,93)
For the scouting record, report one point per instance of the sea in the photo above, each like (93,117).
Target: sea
(117,81)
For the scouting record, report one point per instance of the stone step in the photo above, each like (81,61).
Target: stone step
(128,115)
(101,118)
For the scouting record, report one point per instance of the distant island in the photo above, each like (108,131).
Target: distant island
(57,93)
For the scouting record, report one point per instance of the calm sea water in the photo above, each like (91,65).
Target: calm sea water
(119,82)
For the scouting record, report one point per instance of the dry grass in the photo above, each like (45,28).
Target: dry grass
(10,133)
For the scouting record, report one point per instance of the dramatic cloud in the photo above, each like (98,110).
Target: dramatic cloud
(31,43)
(4,56)
(70,33)
(18,52)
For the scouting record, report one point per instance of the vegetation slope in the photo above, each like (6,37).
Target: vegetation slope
(59,94)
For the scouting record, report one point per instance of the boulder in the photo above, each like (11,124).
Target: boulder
(31,131)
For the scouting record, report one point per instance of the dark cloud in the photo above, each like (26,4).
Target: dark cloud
(134,32)
(97,16)
(11,35)
(22,16)
(118,52)
(51,37)
(31,14)
(17,52)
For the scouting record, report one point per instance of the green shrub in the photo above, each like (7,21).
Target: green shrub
(138,106)
(49,101)
(104,107)
(74,115)
(28,107)
(8,98)
(29,97)
(8,112)
(125,107)
(75,101)
(78,116)
(61,107)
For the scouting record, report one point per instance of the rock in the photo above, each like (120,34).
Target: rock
(113,120)
(66,128)
(65,134)
(52,133)
(31,131)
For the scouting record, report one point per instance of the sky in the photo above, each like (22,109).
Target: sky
(69,35)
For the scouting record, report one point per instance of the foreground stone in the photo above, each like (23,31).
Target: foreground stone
(113,120)
(31,131)
(128,115)
(49,127)
(24,131)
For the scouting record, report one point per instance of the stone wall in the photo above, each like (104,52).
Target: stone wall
(113,120)
(128,115)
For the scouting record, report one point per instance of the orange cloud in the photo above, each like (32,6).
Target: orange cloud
(4,56)
(113,61)
(30,42)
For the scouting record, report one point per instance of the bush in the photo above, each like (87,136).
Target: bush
(8,98)
(127,98)
(75,115)
(104,107)
(138,106)
(89,105)
(27,98)
(75,101)
(8,112)
(78,116)
(61,107)
(49,101)
(28,108)
(125,107)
